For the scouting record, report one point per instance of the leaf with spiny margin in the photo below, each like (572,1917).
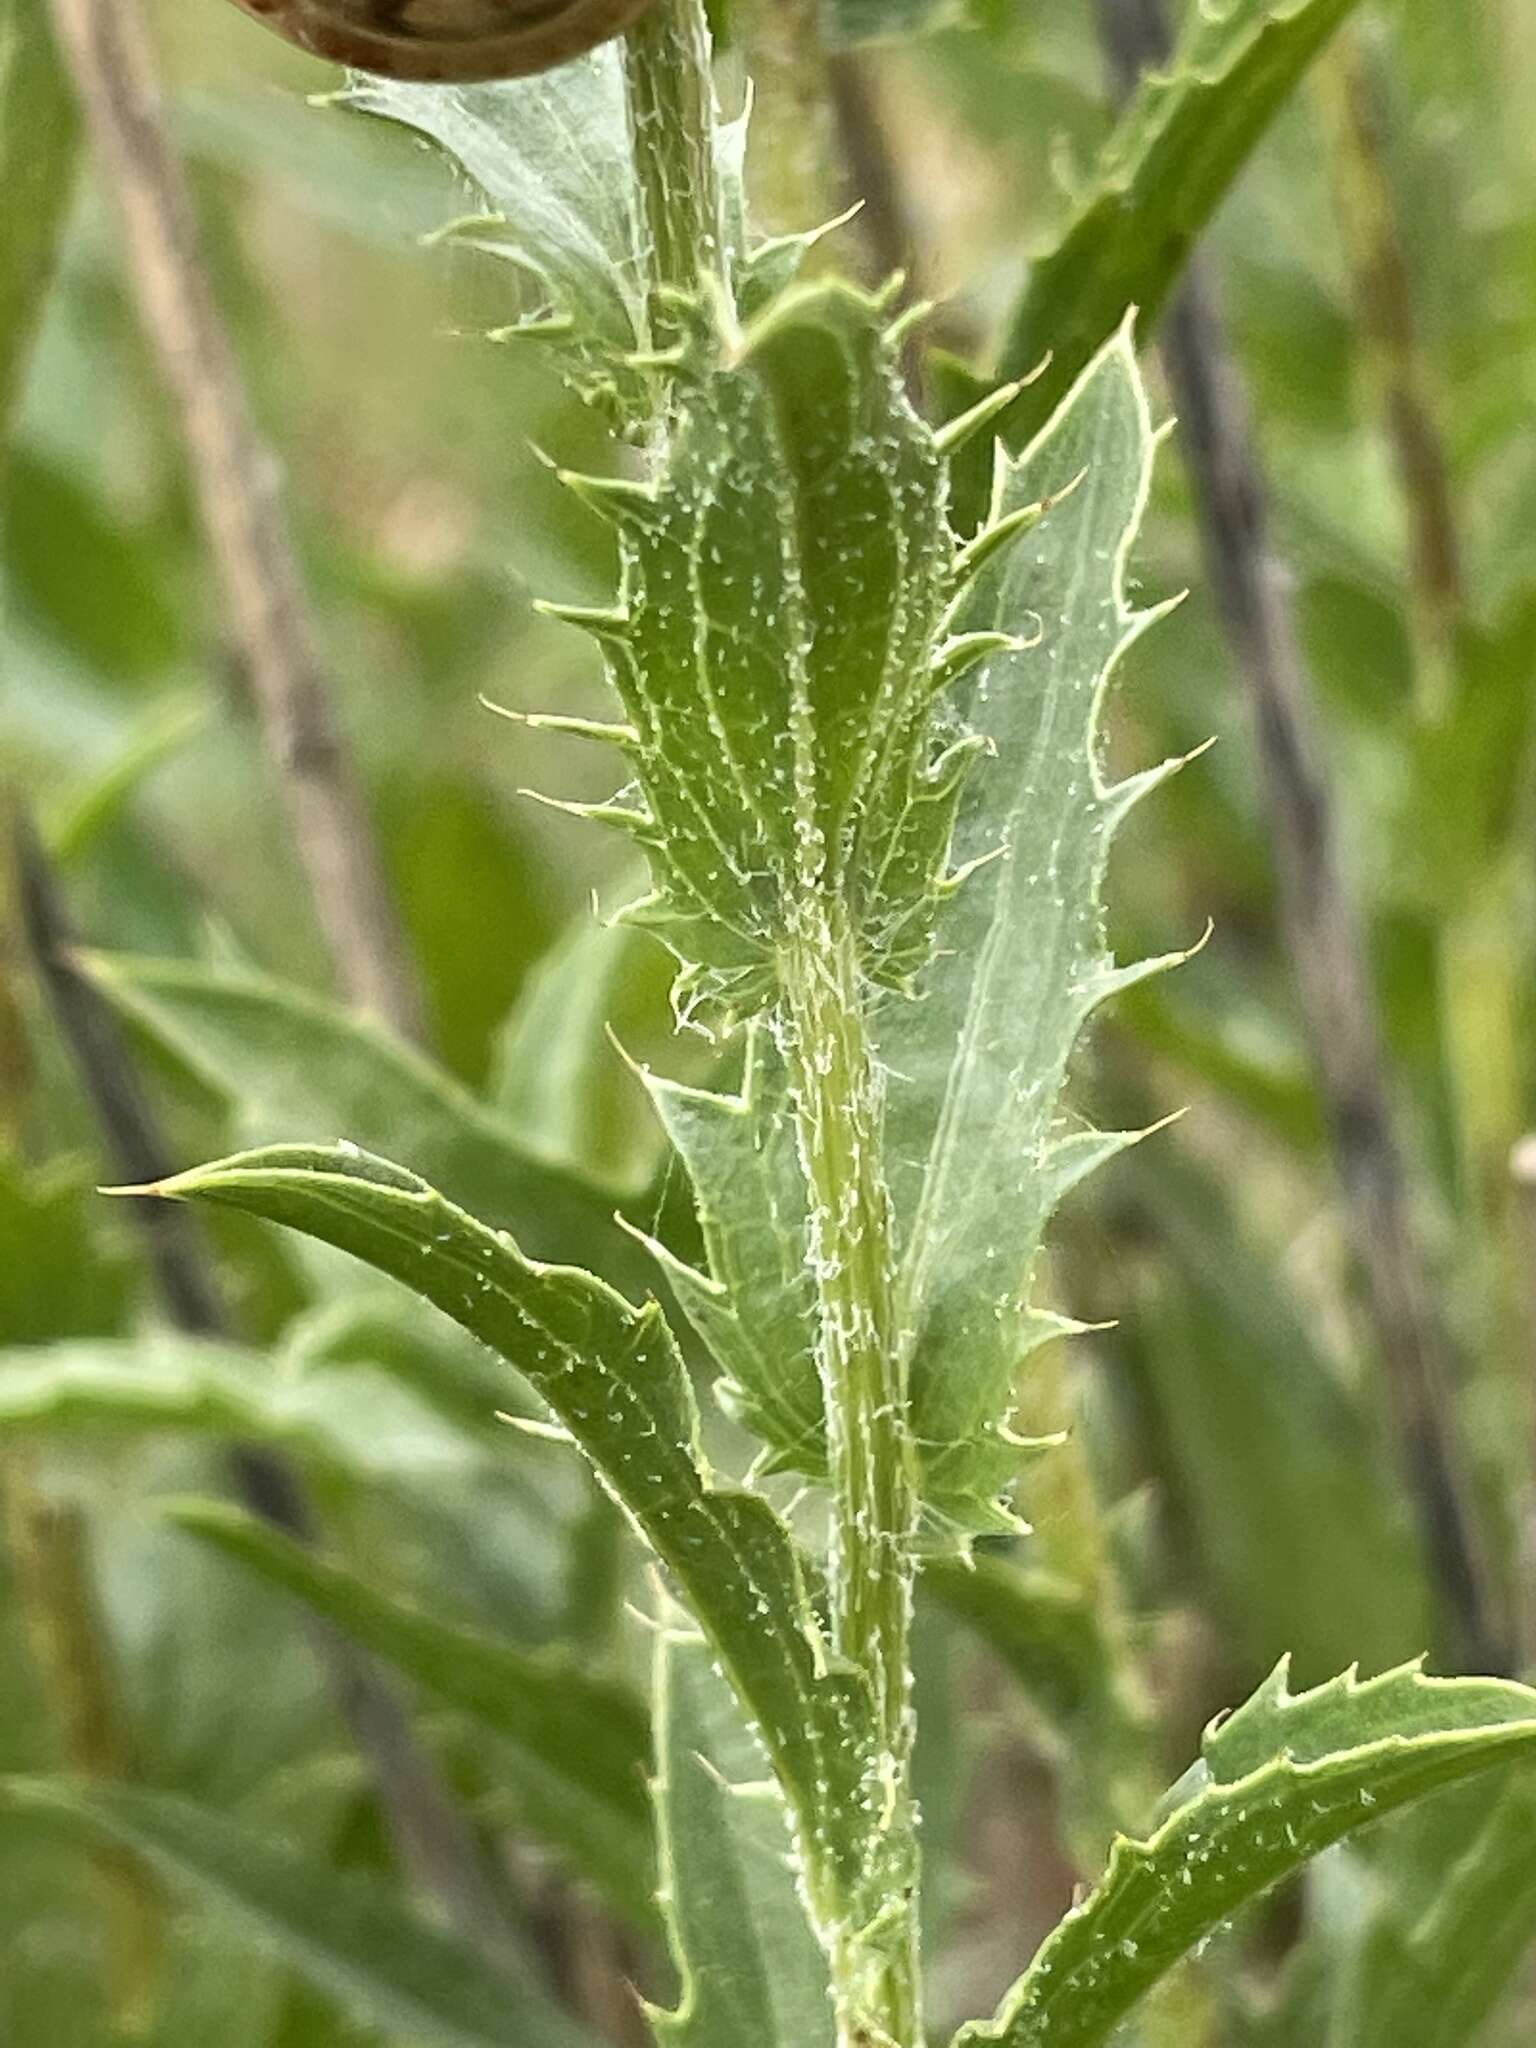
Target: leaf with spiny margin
(588,1735)
(285,1059)
(613,1376)
(976,1155)
(551,153)
(1285,1777)
(779,644)
(756,1308)
(344,1933)
(752,1970)
(1171,160)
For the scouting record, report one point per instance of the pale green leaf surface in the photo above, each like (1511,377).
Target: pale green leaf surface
(589,1734)
(355,1940)
(751,1968)
(756,1308)
(551,155)
(559,1081)
(1285,1777)
(353,1424)
(977,1155)
(1176,151)
(612,1375)
(287,1060)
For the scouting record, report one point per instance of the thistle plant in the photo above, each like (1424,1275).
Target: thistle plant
(860,755)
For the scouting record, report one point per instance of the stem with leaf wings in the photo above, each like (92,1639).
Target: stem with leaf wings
(835,1093)
(836,1098)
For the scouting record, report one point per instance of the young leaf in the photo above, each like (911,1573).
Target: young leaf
(751,1968)
(551,154)
(285,1059)
(587,1734)
(756,1309)
(612,1375)
(1175,153)
(779,643)
(977,1159)
(344,1934)
(1283,1778)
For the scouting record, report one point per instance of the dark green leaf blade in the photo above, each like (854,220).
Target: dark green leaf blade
(590,1735)
(350,1937)
(612,1375)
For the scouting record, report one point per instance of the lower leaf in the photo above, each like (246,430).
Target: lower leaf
(1286,1776)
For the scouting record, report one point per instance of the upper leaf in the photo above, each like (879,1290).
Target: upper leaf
(1282,1779)
(751,1969)
(976,1153)
(1175,153)
(612,1375)
(551,153)
(778,647)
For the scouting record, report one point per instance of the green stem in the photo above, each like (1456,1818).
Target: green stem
(672,134)
(869,1452)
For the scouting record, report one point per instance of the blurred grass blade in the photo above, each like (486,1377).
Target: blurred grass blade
(751,1969)
(1437,1956)
(343,1933)
(1285,1777)
(39,145)
(357,1431)
(613,1376)
(587,1734)
(286,1060)
(1171,160)
(1302,1537)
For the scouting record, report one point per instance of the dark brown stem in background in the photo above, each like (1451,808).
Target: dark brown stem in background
(1415,1351)
(238,485)
(434,1839)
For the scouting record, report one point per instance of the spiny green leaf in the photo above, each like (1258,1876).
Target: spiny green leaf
(1283,1778)
(978,1156)
(343,1933)
(285,1059)
(756,1308)
(1177,149)
(780,641)
(39,141)
(750,1965)
(612,1375)
(551,154)
(590,1735)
